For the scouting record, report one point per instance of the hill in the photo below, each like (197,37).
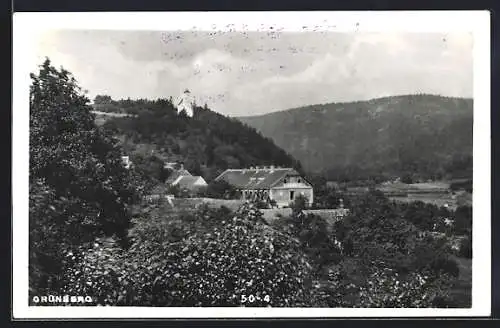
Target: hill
(413,136)
(207,143)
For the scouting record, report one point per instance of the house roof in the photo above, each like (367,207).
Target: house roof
(174,175)
(255,178)
(189,181)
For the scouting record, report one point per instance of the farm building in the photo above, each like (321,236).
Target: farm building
(183,179)
(189,182)
(177,173)
(282,185)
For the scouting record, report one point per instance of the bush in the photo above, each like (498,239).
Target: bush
(298,205)
(236,257)
(357,283)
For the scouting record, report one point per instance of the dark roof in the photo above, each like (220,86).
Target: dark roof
(255,178)
(188,181)
(174,175)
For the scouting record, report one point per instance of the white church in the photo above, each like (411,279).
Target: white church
(186,102)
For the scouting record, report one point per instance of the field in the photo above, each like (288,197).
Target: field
(436,192)
(438,199)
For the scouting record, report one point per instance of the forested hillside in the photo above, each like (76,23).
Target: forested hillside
(420,136)
(207,143)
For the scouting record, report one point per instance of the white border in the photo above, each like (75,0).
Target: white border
(28,25)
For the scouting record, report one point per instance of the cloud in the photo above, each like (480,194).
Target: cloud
(243,74)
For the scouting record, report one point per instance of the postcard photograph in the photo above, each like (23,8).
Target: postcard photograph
(251,164)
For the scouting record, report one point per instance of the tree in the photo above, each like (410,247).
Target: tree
(79,189)
(236,255)
(221,189)
(298,205)
(102,99)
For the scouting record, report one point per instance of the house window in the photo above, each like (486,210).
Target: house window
(291,194)
(285,180)
(298,180)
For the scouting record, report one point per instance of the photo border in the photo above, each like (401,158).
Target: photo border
(28,26)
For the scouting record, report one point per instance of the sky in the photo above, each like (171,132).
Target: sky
(251,73)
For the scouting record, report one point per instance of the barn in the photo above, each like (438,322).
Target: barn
(282,185)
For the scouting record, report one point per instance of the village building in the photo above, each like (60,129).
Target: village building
(183,179)
(281,185)
(176,173)
(190,182)
(127,162)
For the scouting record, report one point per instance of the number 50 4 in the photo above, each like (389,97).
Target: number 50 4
(251,298)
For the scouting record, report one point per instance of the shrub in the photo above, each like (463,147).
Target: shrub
(215,268)
(357,283)
(298,205)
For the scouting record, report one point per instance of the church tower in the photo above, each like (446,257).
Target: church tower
(186,103)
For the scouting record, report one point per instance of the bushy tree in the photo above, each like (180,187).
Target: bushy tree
(236,257)
(298,205)
(149,166)
(78,187)
(351,284)
(221,189)
(424,215)
(375,231)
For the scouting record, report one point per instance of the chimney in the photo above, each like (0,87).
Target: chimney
(182,166)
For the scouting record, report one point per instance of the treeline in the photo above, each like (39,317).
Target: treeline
(458,166)
(79,190)
(424,216)
(207,143)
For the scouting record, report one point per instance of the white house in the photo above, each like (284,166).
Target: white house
(282,185)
